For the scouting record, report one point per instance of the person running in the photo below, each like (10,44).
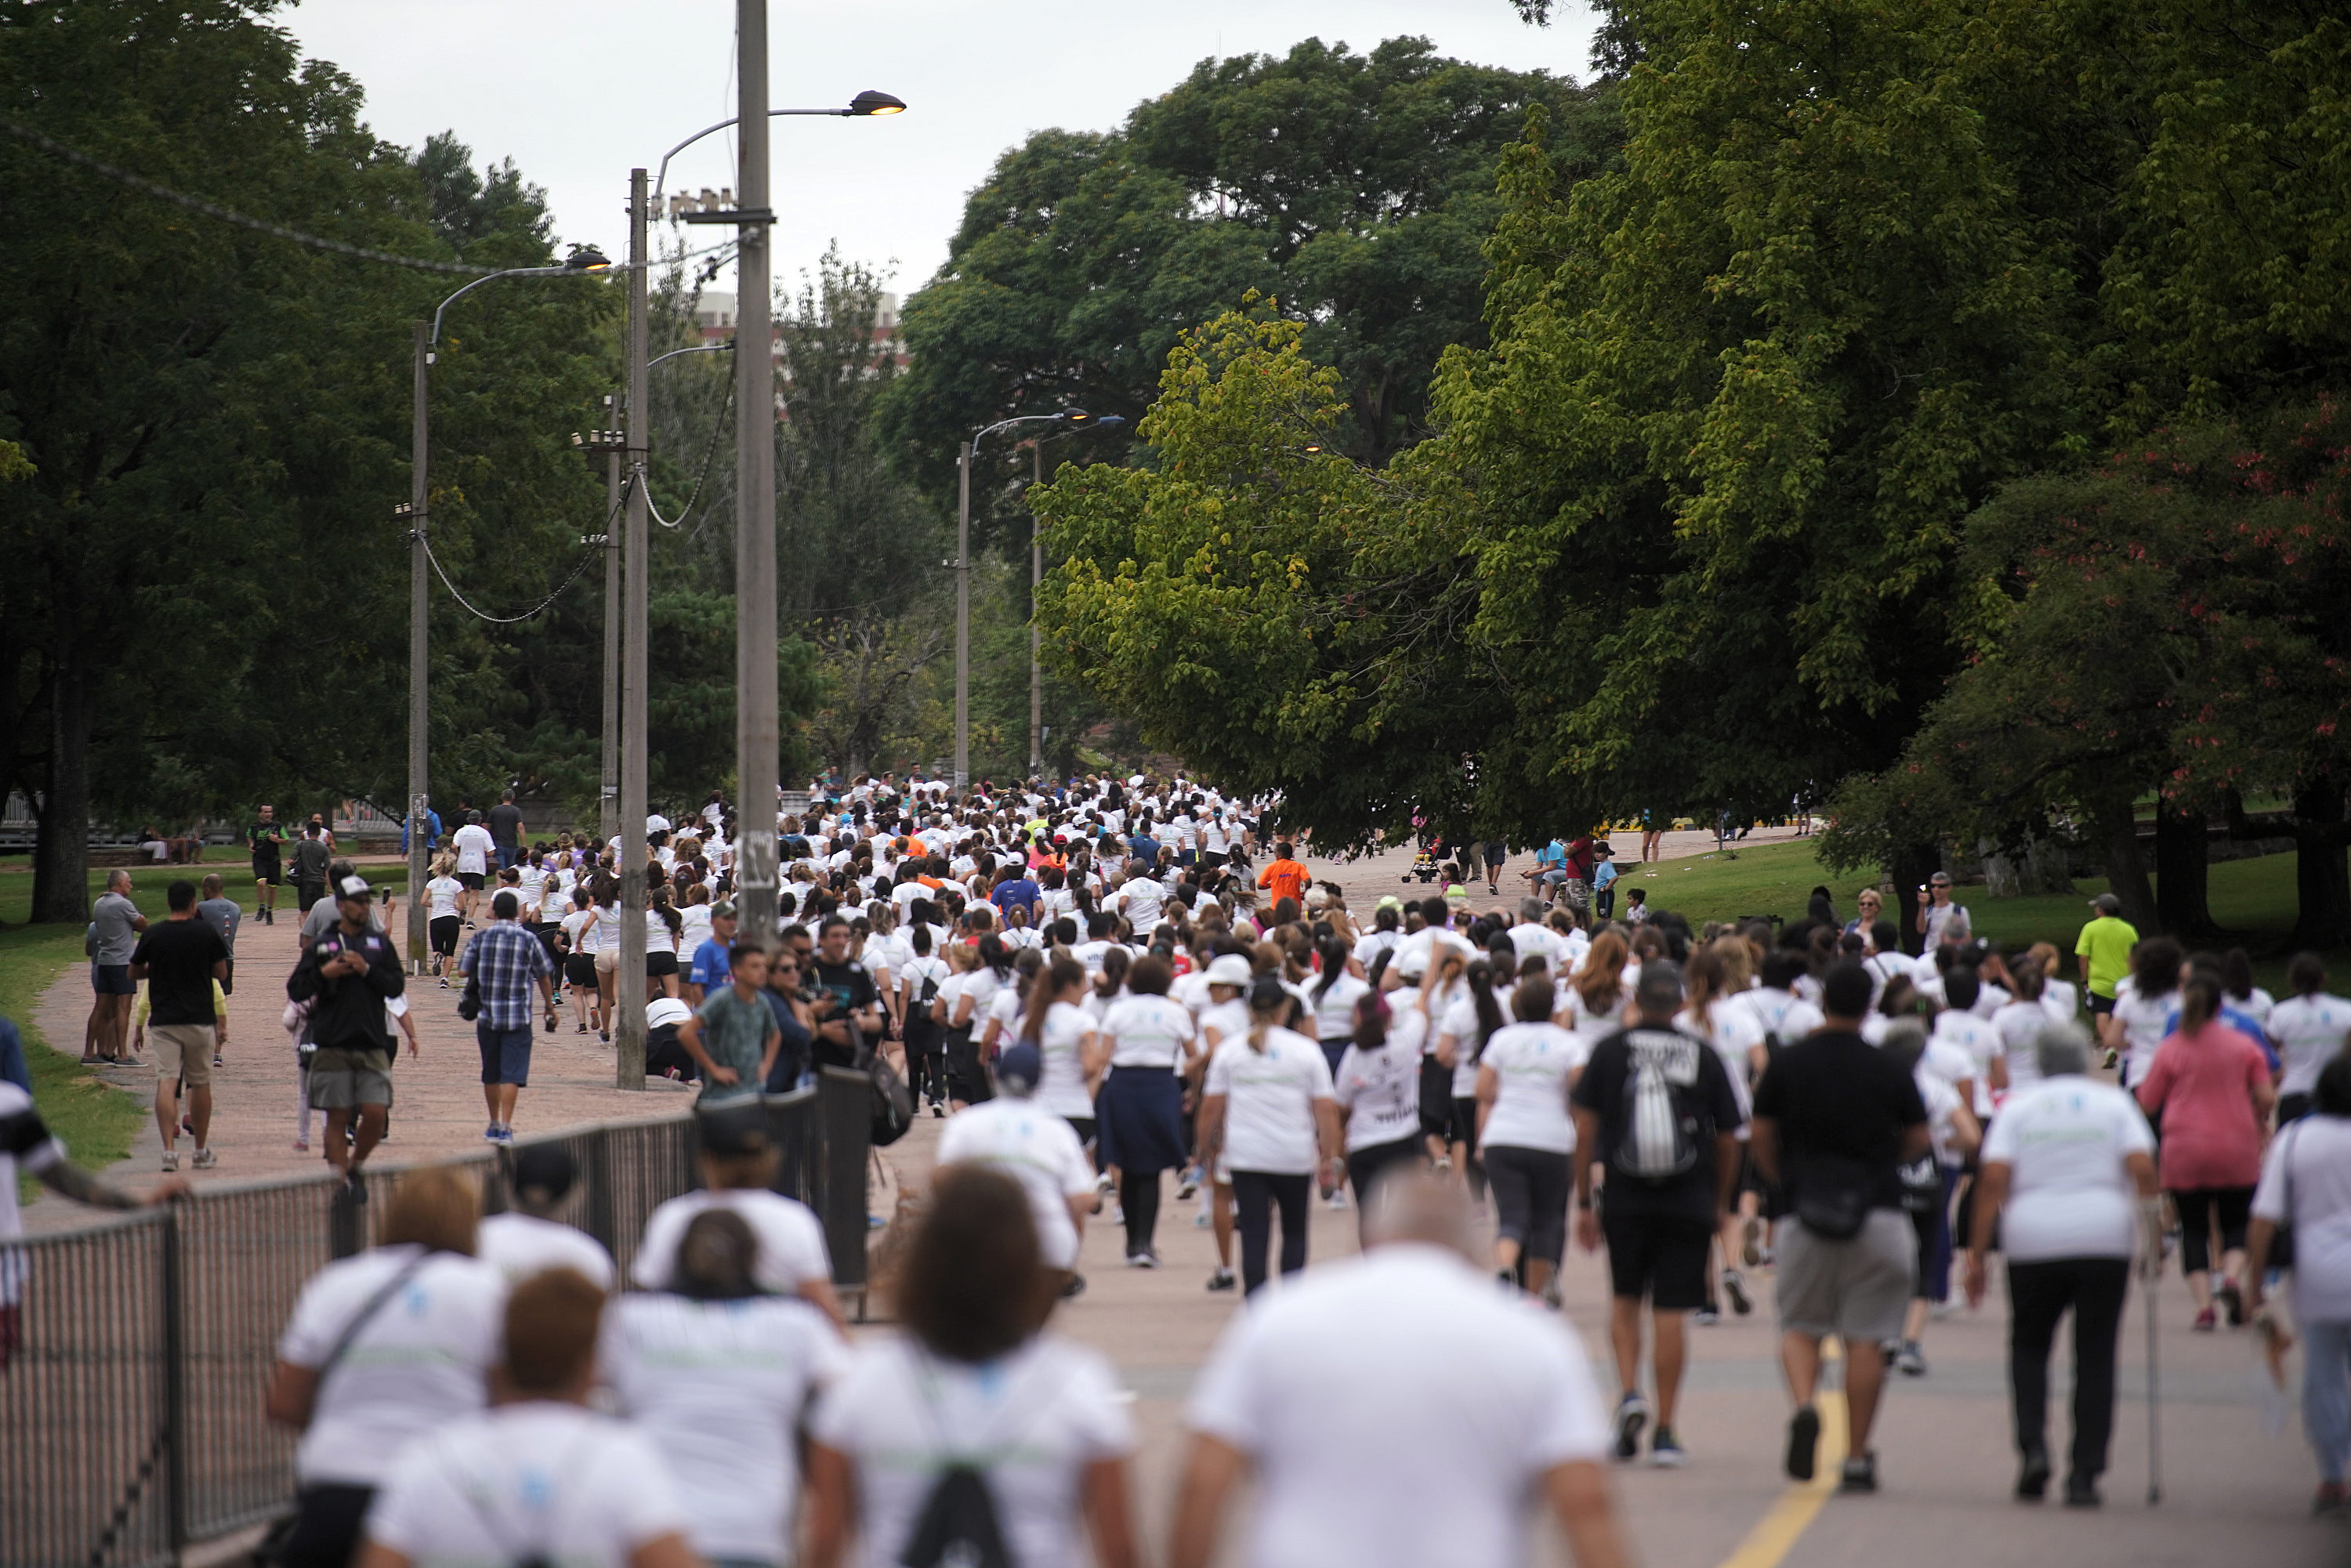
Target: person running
(1284,877)
(2309,1029)
(347,976)
(1927,1185)
(1073,1050)
(1526,1138)
(1036,1145)
(539,1477)
(216,909)
(720,1375)
(1394,1411)
(313,865)
(2072,1163)
(2135,1026)
(1653,1108)
(1377,1088)
(972,1436)
(266,839)
(445,919)
(360,1380)
(531,1237)
(2306,1185)
(580,940)
(1268,1111)
(476,853)
(182,960)
(2208,1088)
(737,1159)
(1152,1045)
(2103,949)
(1835,1120)
(507,962)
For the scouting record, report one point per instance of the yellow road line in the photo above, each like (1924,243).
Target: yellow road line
(1768,1544)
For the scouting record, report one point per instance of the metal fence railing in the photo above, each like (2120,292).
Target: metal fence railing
(130,1411)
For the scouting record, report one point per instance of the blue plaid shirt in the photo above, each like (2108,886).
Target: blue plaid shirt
(507,956)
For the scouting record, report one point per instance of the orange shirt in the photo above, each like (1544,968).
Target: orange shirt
(1285,879)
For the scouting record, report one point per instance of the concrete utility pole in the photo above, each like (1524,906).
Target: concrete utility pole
(629,1035)
(756,738)
(420,680)
(1036,582)
(607,817)
(963,621)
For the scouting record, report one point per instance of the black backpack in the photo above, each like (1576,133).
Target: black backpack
(959,1527)
(1660,1137)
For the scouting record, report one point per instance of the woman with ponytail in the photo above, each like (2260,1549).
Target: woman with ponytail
(1471,1017)
(1065,1036)
(2208,1089)
(1269,1110)
(1377,1087)
(1332,994)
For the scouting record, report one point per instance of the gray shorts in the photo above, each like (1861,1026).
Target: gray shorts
(1858,1289)
(341,1078)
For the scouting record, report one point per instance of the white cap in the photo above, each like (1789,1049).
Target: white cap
(1231,969)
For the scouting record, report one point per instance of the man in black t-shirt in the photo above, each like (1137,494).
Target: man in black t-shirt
(266,839)
(505,831)
(847,995)
(180,959)
(1655,1104)
(1835,1118)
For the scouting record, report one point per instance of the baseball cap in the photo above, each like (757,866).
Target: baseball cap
(354,886)
(549,1167)
(1230,970)
(734,1130)
(1018,1068)
(723,910)
(1387,901)
(2107,904)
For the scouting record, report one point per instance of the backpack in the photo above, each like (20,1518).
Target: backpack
(928,994)
(959,1527)
(1660,1140)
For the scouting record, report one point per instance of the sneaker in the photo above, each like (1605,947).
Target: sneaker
(1665,1450)
(1803,1442)
(354,1188)
(1632,1414)
(444,982)
(937,1110)
(171,1159)
(2032,1476)
(1911,1360)
(1442,1163)
(205,1159)
(1734,1285)
(1142,1260)
(1202,1220)
(490,1134)
(1338,1199)
(1222,1279)
(1189,1184)
(1859,1475)
(1074,1289)
(1750,1244)
(2207,1320)
(2333,1499)
(1707,1316)
(1103,1182)
(301,1145)
(2232,1302)
(2082,1491)
(505,1134)
(217,1061)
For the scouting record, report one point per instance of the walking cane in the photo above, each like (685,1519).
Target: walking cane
(2154,1437)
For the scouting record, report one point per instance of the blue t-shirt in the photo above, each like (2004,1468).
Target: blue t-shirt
(1020,890)
(713,967)
(1143,848)
(1603,874)
(1552,854)
(2243,1022)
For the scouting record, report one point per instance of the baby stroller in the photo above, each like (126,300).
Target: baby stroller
(1423,866)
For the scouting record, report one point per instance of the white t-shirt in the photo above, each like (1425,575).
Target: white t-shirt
(1224,1020)
(1399,1410)
(696,918)
(1380,1090)
(2019,1026)
(1530,940)
(910,974)
(1037,1418)
(1270,1101)
(1334,1015)
(1062,1086)
(1144,899)
(719,1387)
(475,848)
(2320,1148)
(1148,1031)
(2143,1019)
(581,926)
(1531,1062)
(417,1364)
(440,894)
(1977,1038)
(1591,1027)
(539,1482)
(662,1010)
(2064,1139)
(659,937)
(1779,1012)
(1037,1146)
(27,1145)
(2308,1032)
(521,1245)
(791,1241)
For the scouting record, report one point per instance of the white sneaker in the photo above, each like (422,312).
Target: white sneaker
(171,1159)
(207,1159)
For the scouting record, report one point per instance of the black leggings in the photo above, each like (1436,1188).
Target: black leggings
(2196,1206)
(2038,1295)
(327,1521)
(1255,1194)
(1531,1188)
(1138,1198)
(1364,1167)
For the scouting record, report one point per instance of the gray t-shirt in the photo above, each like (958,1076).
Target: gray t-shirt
(117,936)
(224,916)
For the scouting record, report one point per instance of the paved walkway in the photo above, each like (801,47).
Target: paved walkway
(2232,1492)
(437,1098)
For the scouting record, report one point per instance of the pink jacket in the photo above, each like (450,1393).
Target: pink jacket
(2201,1087)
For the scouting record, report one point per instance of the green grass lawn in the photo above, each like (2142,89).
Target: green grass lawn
(97,1120)
(2254,898)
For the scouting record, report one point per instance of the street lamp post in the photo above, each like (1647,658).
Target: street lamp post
(961,566)
(427,336)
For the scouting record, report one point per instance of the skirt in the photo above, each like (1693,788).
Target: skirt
(1139,1120)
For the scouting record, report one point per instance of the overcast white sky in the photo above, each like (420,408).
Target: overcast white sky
(578,91)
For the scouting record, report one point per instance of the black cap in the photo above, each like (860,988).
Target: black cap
(548,1168)
(734,1130)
